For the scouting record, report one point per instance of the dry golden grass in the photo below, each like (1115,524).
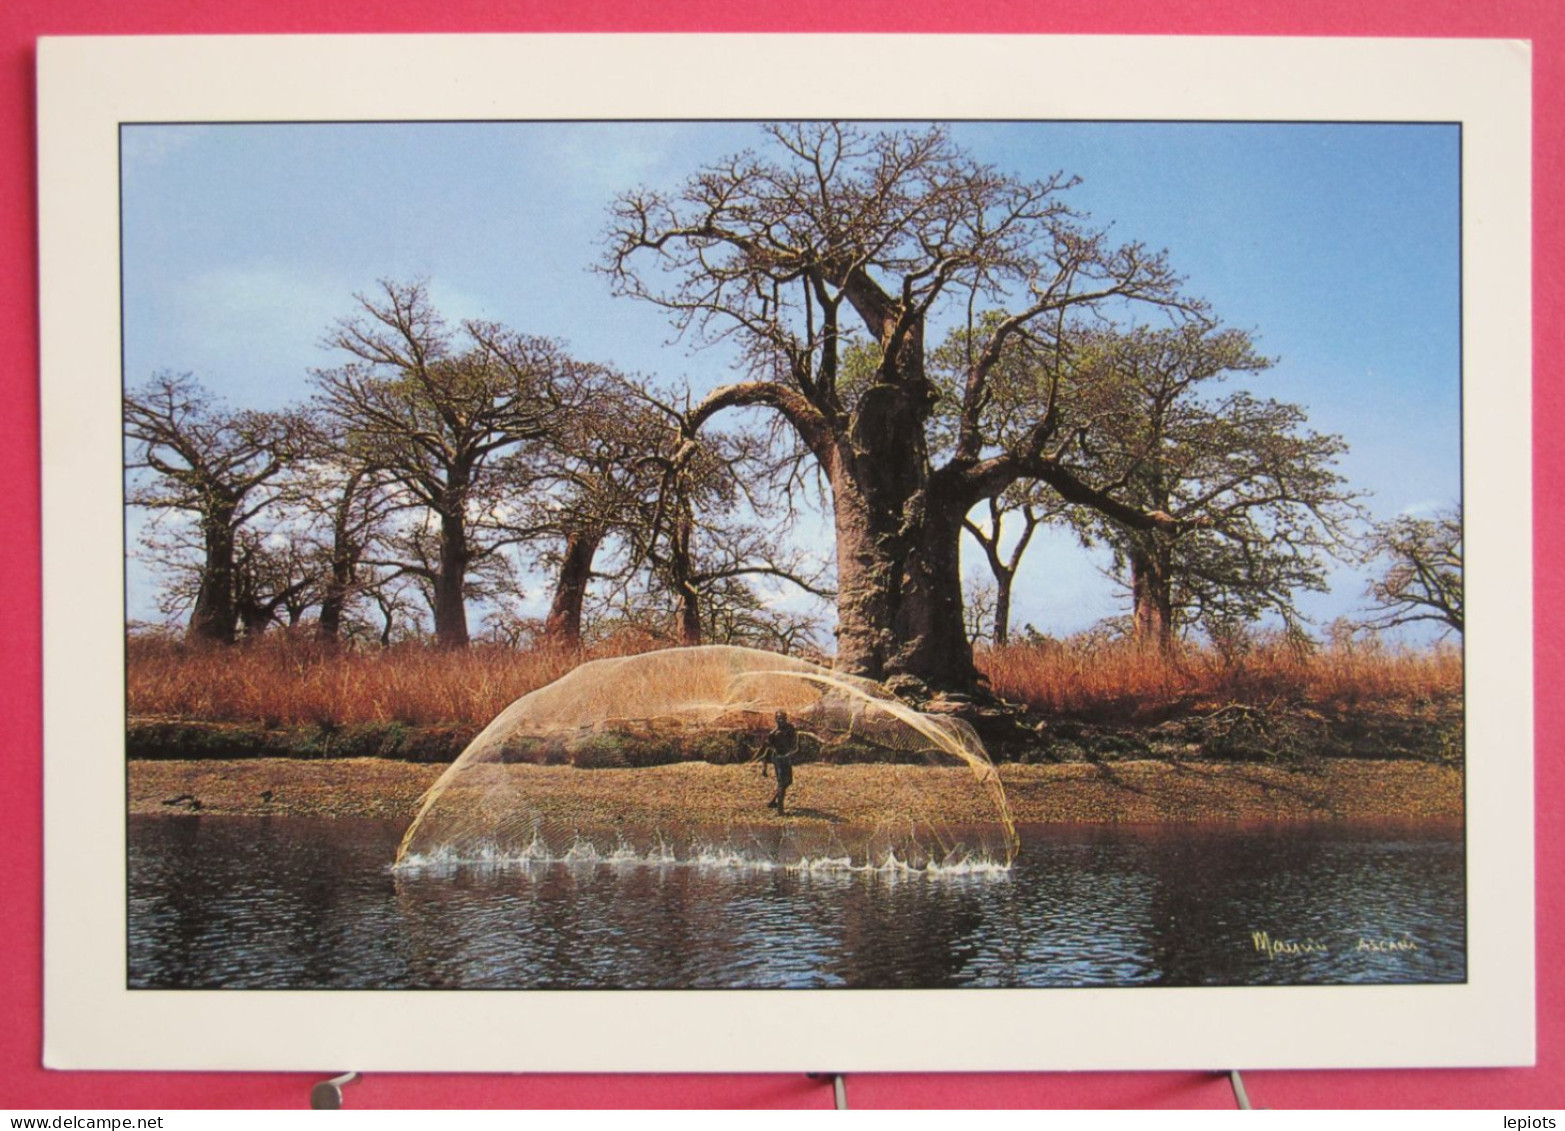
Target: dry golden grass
(284,682)
(1123,683)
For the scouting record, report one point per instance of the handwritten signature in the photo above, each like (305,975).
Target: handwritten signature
(1309,946)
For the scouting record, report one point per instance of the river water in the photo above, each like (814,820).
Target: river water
(231,902)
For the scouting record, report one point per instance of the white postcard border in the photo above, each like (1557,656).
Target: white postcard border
(87,87)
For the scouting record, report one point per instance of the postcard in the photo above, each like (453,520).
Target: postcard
(953,559)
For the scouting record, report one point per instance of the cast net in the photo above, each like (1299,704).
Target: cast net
(659,758)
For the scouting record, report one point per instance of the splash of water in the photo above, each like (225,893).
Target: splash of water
(523,790)
(707,856)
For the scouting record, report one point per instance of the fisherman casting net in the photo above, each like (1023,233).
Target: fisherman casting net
(659,758)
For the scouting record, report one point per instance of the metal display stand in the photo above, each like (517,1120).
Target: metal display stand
(327,1095)
(839,1087)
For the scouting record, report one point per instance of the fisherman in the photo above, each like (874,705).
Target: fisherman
(779,750)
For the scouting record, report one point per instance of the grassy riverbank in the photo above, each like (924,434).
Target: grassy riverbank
(1084,702)
(1131,791)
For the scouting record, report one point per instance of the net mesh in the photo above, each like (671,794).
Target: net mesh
(660,758)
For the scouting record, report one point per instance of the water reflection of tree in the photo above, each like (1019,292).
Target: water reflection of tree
(480,927)
(1083,908)
(171,911)
(1327,883)
(562,927)
(234,903)
(240,903)
(878,950)
(1210,890)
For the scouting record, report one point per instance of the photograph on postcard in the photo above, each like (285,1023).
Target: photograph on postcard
(793,554)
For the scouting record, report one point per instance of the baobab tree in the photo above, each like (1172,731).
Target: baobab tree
(1422,582)
(337,502)
(354,508)
(1258,504)
(839,230)
(440,411)
(221,468)
(591,480)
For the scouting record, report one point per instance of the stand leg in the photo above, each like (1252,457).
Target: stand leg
(1241,1097)
(839,1087)
(327,1095)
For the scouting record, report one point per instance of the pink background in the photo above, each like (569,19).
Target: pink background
(24,1084)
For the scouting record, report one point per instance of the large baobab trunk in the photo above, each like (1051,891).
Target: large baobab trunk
(934,640)
(1151,586)
(866,578)
(900,613)
(215,617)
(563,624)
(899,593)
(449,584)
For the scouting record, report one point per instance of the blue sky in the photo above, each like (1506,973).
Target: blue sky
(1337,245)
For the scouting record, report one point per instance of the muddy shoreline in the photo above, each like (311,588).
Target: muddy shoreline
(1144,791)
